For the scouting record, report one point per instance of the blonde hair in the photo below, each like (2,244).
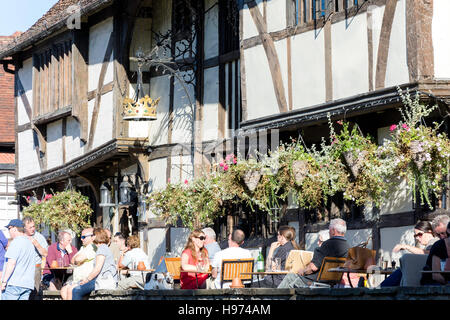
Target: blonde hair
(133,242)
(101,237)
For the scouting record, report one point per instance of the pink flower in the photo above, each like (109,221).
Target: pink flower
(393,127)
(234,160)
(405,126)
(221,164)
(340,122)
(186,181)
(168,180)
(225,167)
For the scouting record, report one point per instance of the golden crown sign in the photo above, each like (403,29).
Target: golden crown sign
(142,109)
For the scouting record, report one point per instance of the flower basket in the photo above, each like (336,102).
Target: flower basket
(251,179)
(354,163)
(300,170)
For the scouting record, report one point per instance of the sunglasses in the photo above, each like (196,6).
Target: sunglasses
(201,238)
(84,237)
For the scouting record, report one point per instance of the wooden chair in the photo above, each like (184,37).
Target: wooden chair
(232,268)
(325,279)
(173,266)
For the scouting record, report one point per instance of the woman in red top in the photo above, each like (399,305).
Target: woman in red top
(194,256)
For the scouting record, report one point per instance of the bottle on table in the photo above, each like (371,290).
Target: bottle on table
(260,261)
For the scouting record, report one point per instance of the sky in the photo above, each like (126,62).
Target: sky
(19,15)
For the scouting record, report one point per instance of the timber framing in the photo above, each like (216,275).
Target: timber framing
(117,147)
(359,104)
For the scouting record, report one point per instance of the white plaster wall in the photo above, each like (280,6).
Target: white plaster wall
(249,26)
(441,38)
(350,57)
(311,240)
(183,113)
(211,29)
(54,144)
(308,69)
(182,168)
(28,161)
(390,237)
(401,199)
(261,99)
(142,40)
(178,239)
(397,67)
(104,127)
(26,78)
(156,245)
(160,88)
(276,15)
(157,176)
(210,109)
(74,145)
(98,42)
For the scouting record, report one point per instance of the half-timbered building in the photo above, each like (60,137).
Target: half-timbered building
(230,75)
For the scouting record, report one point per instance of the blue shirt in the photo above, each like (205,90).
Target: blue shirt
(3,244)
(41,240)
(22,250)
(212,248)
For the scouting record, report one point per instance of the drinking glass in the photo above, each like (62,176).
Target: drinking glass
(276,264)
(60,262)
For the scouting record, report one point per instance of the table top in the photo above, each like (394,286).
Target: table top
(60,268)
(431,271)
(374,271)
(206,272)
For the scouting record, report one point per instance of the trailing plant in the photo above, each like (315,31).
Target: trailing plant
(65,209)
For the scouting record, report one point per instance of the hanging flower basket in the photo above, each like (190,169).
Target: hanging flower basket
(300,170)
(251,179)
(354,163)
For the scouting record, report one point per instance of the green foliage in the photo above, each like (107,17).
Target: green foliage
(66,209)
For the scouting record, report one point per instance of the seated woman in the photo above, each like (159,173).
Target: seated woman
(436,261)
(104,274)
(279,249)
(423,232)
(133,255)
(194,254)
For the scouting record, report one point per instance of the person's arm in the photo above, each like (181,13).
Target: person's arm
(310,268)
(99,261)
(185,263)
(436,266)
(9,268)
(42,251)
(272,248)
(79,258)
(409,248)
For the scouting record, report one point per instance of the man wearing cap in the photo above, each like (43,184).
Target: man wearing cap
(18,274)
(40,245)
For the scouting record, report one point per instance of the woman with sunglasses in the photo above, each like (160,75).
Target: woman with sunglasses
(423,234)
(193,258)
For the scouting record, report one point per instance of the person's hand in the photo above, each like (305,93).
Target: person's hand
(275,245)
(398,247)
(84,281)
(69,248)
(3,286)
(301,272)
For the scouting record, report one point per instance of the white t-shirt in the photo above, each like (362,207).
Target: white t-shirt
(229,253)
(134,256)
(83,270)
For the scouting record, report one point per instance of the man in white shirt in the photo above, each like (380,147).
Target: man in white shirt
(234,251)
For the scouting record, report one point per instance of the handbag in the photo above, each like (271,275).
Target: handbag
(105,282)
(360,257)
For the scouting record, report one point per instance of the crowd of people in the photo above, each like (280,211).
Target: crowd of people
(27,261)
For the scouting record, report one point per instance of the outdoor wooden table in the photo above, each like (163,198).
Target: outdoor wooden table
(265,273)
(135,271)
(196,273)
(386,272)
(61,274)
(431,271)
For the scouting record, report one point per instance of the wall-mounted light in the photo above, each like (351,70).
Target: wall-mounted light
(125,192)
(105,195)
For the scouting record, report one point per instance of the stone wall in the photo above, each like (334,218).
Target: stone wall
(393,293)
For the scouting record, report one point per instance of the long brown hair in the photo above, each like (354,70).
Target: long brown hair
(289,233)
(190,244)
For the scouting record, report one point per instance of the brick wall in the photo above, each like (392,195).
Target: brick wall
(6,99)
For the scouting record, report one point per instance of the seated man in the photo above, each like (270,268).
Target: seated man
(61,252)
(234,251)
(83,260)
(336,246)
(133,255)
